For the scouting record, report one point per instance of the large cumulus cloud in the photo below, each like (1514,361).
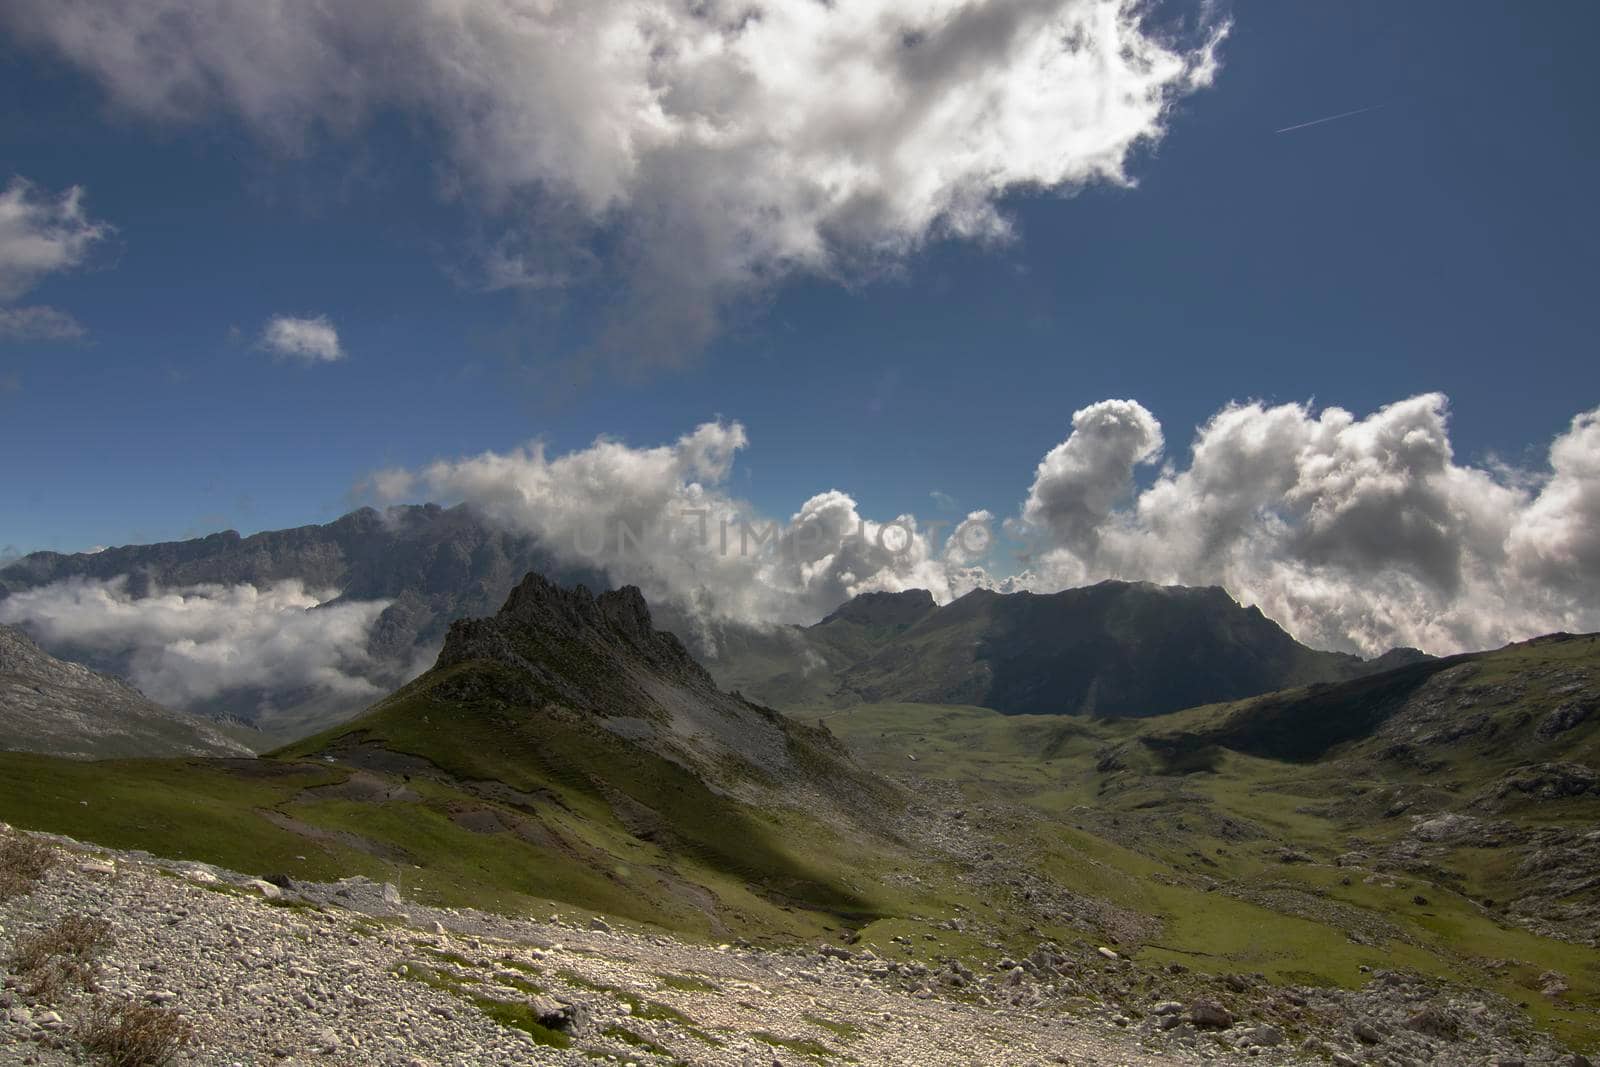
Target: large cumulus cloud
(662,518)
(187,646)
(750,140)
(1355,532)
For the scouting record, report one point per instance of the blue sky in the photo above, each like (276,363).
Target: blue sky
(1444,241)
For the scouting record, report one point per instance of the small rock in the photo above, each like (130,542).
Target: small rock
(1109,954)
(556,1014)
(1211,1015)
(1262,1036)
(1366,1033)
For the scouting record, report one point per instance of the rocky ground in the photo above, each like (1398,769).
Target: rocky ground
(351,973)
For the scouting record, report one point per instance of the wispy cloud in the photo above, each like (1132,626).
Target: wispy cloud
(39,323)
(41,235)
(311,340)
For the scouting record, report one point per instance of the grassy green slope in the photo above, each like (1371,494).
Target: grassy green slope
(478,804)
(1200,843)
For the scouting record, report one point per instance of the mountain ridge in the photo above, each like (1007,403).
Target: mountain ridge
(1115,648)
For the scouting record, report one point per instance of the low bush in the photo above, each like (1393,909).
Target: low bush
(23,861)
(60,956)
(128,1034)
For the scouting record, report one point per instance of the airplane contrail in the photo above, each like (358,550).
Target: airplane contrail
(1329,118)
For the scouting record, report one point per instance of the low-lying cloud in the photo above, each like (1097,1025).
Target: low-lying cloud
(751,142)
(187,646)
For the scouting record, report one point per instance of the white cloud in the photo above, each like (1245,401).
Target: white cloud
(38,323)
(663,519)
(186,646)
(313,340)
(41,235)
(748,142)
(1355,533)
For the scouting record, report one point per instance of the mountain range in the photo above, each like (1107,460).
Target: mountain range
(1109,650)
(1112,649)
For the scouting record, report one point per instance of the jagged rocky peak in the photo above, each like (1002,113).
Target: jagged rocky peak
(539,601)
(540,615)
(885,609)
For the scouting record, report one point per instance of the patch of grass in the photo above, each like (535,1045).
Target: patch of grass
(628,1037)
(444,981)
(522,985)
(803,1046)
(573,978)
(128,1034)
(655,1011)
(687,983)
(450,957)
(519,1016)
(848,1031)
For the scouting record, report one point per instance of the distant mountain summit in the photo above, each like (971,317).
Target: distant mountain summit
(64,709)
(1112,649)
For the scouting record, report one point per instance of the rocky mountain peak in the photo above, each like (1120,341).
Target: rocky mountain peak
(538,601)
(541,619)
